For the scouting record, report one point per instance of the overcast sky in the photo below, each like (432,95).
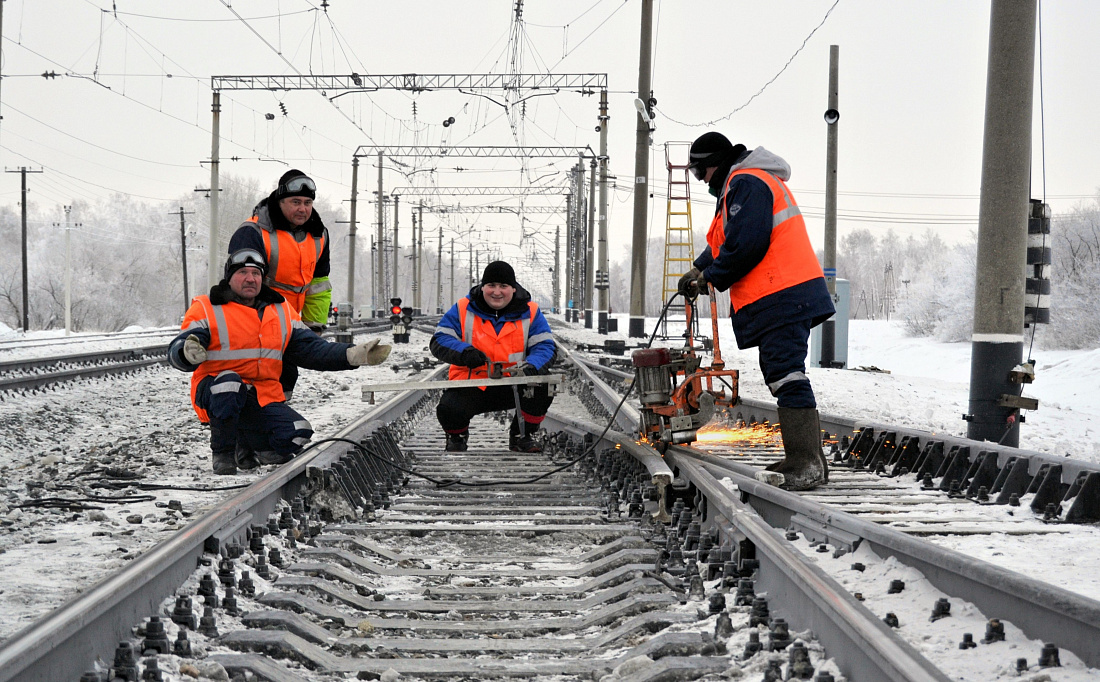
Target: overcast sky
(129,108)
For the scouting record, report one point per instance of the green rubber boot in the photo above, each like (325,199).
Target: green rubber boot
(804,465)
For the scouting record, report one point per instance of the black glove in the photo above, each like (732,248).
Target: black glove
(473,358)
(525,368)
(316,327)
(692,283)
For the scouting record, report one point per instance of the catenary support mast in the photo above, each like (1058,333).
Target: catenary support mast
(641,181)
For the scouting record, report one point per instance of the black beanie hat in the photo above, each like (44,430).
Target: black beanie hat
(304,187)
(242,258)
(499,272)
(708,149)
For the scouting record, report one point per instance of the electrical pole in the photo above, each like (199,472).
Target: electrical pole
(415,270)
(439,273)
(380,240)
(570,261)
(832,120)
(183,257)
(351,234)
(396,250)
(590,249)
(641,182)
(452,269)
(557,269)
(603,277)
(69,271)
(23,203)
(213,276)
(418,302)
(998,340)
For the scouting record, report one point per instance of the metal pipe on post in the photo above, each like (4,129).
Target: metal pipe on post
(832,120)
(603,277)
(641,181)
(380,240)
(998,340)
(213,276)
(351,234)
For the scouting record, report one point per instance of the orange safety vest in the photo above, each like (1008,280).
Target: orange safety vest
(290,263)
(242,342)
(508,346)
(790,258)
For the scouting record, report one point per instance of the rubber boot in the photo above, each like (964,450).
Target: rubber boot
(456,442)
(223,446)
(803,465)
(526,442)
(225,462)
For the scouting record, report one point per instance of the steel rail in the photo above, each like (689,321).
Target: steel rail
(628,417)
(60,645)
(93,356)
(1043,611)
(39,380)
(863,646)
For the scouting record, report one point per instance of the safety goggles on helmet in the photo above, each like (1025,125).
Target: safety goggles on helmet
(297,184)
(243,258)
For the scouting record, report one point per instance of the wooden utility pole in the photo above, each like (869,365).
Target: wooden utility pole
(183,258)
(998,340)
(641,181)
(23,203)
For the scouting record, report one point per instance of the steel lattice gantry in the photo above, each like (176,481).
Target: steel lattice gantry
(480,151)
(584,83)
(479,191)
(495,209)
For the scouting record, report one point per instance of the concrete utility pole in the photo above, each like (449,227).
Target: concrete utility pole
(557,269)
(832,120)
(183,257)
(415,271)
(69,269)
(998,341)
(571,260)
(419,260)
(351,234)
(603,272)
(452,269)
(439,273)
(23,204)
(590,248)
(396,250)
(213,276)
(641,181)
(380,240)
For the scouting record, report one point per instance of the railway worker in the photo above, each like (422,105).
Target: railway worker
(760,252)
(295,243)
(496,322)
(234,342)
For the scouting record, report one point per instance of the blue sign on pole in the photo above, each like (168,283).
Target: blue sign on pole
(830,272)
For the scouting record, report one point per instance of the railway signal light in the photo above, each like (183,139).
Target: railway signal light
(400,319)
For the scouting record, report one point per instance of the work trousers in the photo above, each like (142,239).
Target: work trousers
(236,416)
(457,406)
(783,363)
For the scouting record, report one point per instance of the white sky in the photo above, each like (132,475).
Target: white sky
(912,90)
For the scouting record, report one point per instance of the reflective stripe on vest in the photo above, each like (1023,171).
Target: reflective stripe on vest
(790,258)
(244,341)
(499,346)
(293,283)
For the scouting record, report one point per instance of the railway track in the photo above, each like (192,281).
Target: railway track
(32,374)
(624,563)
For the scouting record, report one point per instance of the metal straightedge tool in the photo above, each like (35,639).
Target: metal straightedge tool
(496,378)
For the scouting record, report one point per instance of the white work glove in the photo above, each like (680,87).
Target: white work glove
(193,350)
(369,353)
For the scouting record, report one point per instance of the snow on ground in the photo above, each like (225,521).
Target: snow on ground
(928,385)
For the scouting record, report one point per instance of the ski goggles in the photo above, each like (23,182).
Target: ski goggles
(247,258)
(297,185)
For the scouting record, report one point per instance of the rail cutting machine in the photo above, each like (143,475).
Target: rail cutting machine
(678,394)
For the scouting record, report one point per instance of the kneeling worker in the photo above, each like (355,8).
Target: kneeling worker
(234,342)
(760,251)
(496,322)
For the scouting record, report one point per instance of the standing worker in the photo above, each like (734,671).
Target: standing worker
(285,228)
(234,342)
(496,322)
(760,251)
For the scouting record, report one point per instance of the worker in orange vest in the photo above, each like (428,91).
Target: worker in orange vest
(234,342)
(295,242)
(496,322)
(760,252)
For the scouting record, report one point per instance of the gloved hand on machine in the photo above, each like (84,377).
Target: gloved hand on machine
(473,358)
(522,368)
(692,283)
